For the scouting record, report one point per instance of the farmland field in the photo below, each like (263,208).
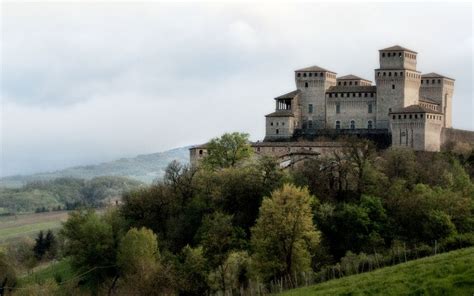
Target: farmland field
(28,225)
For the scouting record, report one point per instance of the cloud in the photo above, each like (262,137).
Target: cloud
(85,82)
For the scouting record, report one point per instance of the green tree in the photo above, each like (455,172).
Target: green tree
(8,278)
(284,234)
(92,246)
(228,150)
(192,270)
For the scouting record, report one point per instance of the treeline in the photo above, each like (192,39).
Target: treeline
(238,223)
(64,194)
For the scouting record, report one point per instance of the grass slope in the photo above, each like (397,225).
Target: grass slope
(59,271)
(446,274)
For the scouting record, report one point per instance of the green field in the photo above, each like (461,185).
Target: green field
(60,270)
(28,225)
(446,274)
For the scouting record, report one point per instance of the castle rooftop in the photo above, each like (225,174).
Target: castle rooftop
(314,69)
(397,48)
(435,75)
(281,113)
(289,95)
(415,109)
(352,77)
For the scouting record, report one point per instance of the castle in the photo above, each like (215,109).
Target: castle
(404,107)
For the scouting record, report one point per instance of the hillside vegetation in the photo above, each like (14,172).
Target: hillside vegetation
(64,194)
(446,274)
(238,223)
(145,168)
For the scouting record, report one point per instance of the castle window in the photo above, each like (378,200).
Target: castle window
(383,54)
(439,80)
(395,73)
(278,123)
(283,123)
(401,73)
(433,81)
(258,149)
(365,95)
(321,74)
(399,117)
(371,95)
(390,74)
(350,82)
(405,116)
(306,84)
(338,124)
(345,83)
(416,116)
(277,131)
(338,108)
(422,82)
(200,152)
(360,95)
(393,86)
(353,124)
(410,116)
(400,54)
(299,74)
(310,108)
(271,123)
(342,95)
(330,95)
(384,74)
(370,108)
(427,81)
(393,116)
(369,124)
(378,74)
(335,95)
(356,83)
(310,74)
(310,124)
(339,83)
(304,74)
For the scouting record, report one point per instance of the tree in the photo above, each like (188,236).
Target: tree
(8,278)
(218,238)
(138,259)
(228,150)
(39,247)
(192,271)
(92,246)
(284,234)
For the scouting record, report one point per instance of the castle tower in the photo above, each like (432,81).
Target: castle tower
(439,89)
(312,82)
(397,81)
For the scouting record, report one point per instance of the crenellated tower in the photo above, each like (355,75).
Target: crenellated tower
(313,82)
(439,89)
(397,80)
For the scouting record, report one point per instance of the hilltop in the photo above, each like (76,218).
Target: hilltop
(144,168)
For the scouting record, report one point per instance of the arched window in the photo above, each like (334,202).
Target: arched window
(277,131)
(338,124)
(353,124)
(200,152)
(299,74)
(338,108)
(369,124)
(304,74)
(306,84)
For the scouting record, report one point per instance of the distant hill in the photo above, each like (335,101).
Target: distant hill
(144,168)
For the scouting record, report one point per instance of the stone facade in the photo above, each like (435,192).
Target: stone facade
(325,101)
(404,109)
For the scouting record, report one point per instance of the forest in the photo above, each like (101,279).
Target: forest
(238,223)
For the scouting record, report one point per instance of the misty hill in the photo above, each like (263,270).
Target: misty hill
(144,168)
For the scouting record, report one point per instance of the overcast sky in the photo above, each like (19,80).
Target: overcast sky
(86,83)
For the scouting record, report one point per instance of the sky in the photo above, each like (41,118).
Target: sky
(83,83)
